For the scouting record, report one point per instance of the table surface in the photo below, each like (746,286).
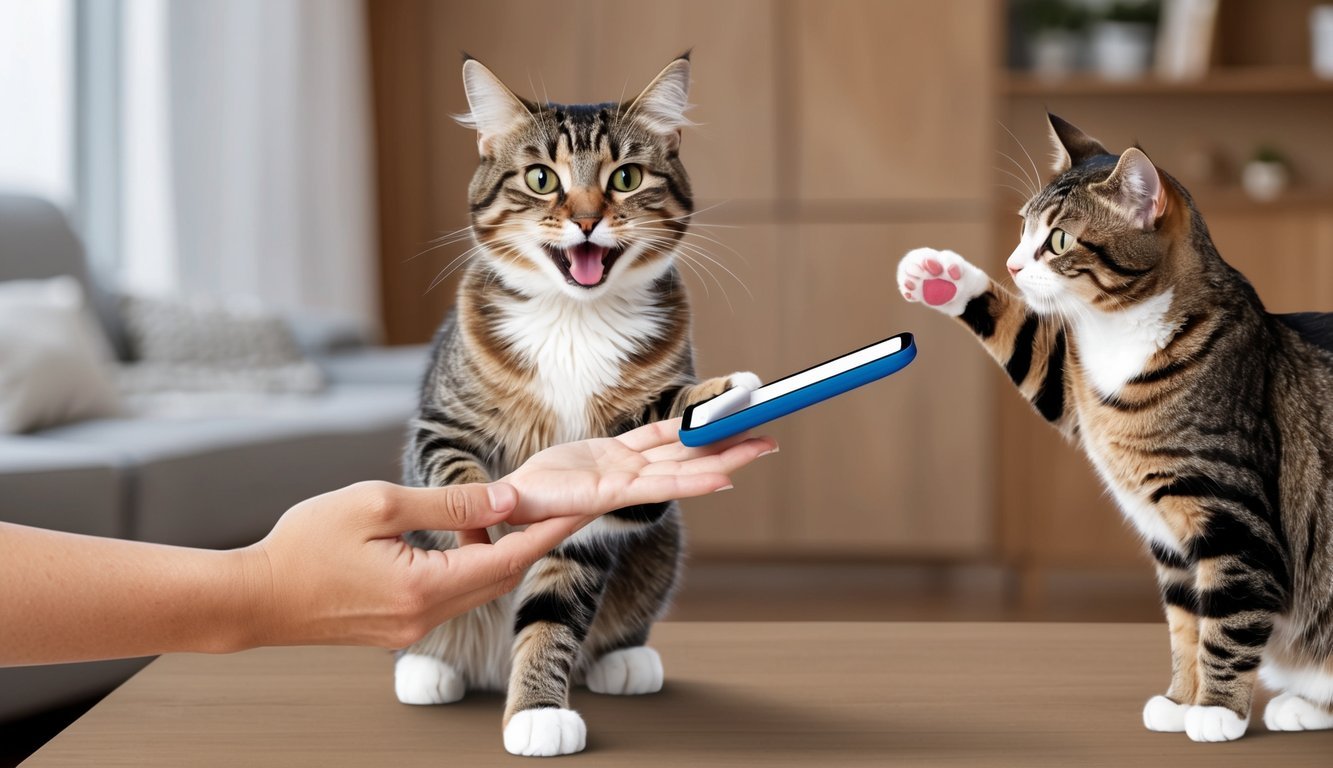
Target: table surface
(826,694)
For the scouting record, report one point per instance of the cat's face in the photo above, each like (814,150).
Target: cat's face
(582,200)
(1094,237)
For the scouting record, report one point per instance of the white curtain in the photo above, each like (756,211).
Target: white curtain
(247,149)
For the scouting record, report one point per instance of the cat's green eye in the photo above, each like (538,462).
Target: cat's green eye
(541,180)
(1060,241)
(626,178)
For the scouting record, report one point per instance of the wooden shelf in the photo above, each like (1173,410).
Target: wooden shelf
(1234,200)
(1236,80)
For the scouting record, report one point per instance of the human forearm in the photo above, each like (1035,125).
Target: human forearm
(66,597)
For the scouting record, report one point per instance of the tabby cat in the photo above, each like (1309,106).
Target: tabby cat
(571,322)
(1209,419)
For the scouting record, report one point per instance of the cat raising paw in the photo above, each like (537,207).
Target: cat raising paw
(940,279)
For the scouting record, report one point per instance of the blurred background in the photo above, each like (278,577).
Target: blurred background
(218,264)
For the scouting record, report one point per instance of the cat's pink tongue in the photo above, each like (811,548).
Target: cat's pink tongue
(585,263)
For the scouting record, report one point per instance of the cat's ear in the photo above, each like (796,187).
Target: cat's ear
(1071,145)
(1136,187)
(493,109)
(661,106)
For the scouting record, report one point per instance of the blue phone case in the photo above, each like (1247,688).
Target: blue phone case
(818,391)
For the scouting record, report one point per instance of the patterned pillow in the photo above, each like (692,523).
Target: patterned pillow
(199,346)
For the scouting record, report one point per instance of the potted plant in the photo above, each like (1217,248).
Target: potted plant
(1054,35)
(1266,175)
(1122,39)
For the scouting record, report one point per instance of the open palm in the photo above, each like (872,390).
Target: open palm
(644,465)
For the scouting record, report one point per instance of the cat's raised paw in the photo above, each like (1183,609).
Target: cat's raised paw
(1214,724)
(1164,715)
(940,279)
(425,680)
(626,672)
(745,380)
(545,733)
(1289,712)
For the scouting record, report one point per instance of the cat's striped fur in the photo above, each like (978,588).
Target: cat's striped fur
(1209,419)
(550,344)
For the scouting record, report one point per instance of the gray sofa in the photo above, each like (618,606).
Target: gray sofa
(215,480)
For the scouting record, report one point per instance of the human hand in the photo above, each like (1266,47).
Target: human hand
(644,465)
(334,570)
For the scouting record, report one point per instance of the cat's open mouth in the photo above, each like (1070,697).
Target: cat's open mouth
(586,264)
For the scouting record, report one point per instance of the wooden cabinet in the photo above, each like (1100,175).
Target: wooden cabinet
(894,99)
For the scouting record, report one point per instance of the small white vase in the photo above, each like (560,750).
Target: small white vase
(1054,53)
(1321,40)
(1264,181)
(1121,50)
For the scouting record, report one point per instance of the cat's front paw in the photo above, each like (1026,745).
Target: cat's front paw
(1214,724)
(940,279)
(715,386)
(425,680)
(626,672)
(545,733)
(1164,715)
(1289,712)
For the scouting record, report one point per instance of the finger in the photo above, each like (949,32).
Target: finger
(682,453)
(450,508)
(724,462)
(655,488)
(651,435)
(470,568)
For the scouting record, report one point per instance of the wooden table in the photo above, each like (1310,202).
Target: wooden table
(798,694)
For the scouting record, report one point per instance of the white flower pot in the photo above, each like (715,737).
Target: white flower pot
(1054,53)
(1264,181)
(1121,50)
(1321,40)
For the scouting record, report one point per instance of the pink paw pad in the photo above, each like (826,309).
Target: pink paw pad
(956,272)
(937,292)
(933,267)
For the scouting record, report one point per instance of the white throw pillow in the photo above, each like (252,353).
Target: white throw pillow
(54,361)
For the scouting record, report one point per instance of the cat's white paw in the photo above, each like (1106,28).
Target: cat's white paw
(1214,724)
(626,672)
(940,279)
(424,680)
(1164,715)
(745,380)
(1289,712)
(545,733)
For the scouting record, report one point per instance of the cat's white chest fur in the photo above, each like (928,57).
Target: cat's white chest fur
(1140,512)
(578,349)
(1114,347)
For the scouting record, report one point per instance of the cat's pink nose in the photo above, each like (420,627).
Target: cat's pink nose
(1013,271)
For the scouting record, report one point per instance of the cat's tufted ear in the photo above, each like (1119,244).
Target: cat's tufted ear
(493,110)
(1136,187)
(1071,145)
(661,106)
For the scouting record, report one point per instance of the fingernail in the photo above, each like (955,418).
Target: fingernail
(775,449)
(503,496)
(724,488)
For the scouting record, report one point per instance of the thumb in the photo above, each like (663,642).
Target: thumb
(453,507)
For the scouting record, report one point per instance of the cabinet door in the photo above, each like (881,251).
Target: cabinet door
(893,98)
(902,466)
(730,152)
(737,327)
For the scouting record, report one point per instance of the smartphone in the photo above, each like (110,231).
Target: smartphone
(738,410)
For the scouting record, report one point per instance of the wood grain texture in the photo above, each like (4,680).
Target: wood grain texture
(736,695)
(894,98)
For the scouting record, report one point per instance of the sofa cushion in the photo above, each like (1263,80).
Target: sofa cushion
(224,481)
(38,243)
(63,486)
(378,365)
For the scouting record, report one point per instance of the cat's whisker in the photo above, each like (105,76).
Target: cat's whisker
(1035,171)
(1023,195)
(1030,193)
